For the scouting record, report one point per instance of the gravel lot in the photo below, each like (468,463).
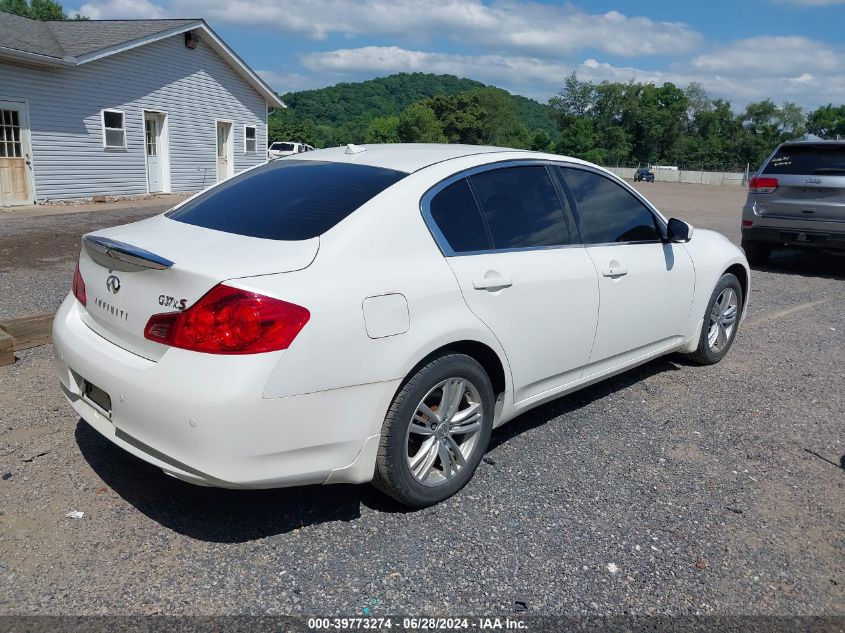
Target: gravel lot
(671,489)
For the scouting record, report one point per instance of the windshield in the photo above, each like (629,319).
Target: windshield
(282,147)
(286,200)
(808,159)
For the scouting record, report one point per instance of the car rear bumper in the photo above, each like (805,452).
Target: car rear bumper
(814,238)
(202,417)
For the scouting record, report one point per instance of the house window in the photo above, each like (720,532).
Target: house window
(249,139)
(114,132)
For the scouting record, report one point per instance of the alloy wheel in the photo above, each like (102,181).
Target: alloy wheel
(722,320)
(444,431)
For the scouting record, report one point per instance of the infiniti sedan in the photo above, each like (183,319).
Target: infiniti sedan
(372,313)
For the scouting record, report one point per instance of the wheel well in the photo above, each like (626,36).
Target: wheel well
(485,356)
(738,270)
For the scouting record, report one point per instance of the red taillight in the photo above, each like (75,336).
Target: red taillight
(747,222)
(759,184)
(79,286)
(230,321)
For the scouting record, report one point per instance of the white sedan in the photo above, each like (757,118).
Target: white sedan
(372,313)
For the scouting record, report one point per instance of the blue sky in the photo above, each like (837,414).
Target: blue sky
(743,51)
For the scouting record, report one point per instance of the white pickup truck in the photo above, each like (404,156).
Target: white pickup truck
(285,148)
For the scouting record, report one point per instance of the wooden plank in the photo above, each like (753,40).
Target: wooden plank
(29,331)
(7,349)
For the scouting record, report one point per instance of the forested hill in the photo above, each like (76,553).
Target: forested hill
(330,115)
(609,123)
(388,96)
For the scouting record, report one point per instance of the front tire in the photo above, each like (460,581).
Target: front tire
(435,432)
(721,319)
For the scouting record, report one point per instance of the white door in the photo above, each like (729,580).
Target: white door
(153,148)
(225,153)
(645,295)
(523,276)
(16,181)
(645,286)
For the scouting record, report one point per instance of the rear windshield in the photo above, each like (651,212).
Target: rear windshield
(808,159)
(282,147)
(287,200)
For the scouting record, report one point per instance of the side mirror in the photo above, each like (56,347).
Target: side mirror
(678,231)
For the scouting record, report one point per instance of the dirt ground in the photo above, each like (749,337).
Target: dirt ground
(671,489)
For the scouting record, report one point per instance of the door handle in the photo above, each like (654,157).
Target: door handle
(614,269)
(492,283)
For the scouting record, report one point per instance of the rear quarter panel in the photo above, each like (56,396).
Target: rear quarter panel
(383,248)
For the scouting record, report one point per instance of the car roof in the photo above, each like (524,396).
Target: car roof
(407,157)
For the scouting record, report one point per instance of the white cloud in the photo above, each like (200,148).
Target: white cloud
(542,78)
(288,82)
(120,9)
(525,75)
(521,45)
(519,26)
(771,57)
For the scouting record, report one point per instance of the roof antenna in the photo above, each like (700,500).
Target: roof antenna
(354,149)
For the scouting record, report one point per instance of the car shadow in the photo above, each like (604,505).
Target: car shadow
(216,514)
(583,397)
(805,263)
(237,516)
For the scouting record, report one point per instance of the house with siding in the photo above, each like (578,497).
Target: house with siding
(123,107)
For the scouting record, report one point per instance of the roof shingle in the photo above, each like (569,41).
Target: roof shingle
(64,39)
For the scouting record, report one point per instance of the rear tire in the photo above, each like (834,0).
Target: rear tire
(757,253)
(435,432)
(721,320)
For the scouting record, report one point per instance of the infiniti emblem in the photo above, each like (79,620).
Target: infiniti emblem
(113,284)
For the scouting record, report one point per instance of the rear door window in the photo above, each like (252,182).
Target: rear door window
(805,160)
(459,219)
(606,211)
(287,200)
(521,207)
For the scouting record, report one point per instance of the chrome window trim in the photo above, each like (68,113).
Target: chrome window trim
(443,243)
(571,222)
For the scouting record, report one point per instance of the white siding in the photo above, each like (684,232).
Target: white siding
(194,87)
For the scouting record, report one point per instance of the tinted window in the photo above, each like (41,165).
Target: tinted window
(457,216)
(607,212)
(282,147)
(287,200)
(521,207)
(807,159)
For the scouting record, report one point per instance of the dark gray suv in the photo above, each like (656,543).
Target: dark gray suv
(796,199)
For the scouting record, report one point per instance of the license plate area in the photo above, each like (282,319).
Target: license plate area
(97,397)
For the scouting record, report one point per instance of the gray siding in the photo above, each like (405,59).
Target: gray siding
(194,87)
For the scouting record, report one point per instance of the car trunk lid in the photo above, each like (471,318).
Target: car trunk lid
(162,265)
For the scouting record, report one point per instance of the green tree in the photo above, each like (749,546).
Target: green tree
(419,124)
(383,130)
(827,122)
(541,142)
(501,124)
(37,9)
(461,117)
(767,125)
(577,98)
(283,126)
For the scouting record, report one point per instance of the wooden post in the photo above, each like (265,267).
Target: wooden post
(7,349)
(29,331)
